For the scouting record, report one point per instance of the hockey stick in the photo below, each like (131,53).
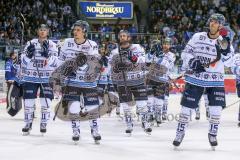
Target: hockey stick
(239,115)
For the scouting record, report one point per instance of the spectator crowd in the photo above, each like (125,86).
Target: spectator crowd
(178,19)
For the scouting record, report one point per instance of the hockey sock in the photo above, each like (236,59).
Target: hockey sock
(127,114)
(76,128)
(158,105)
(165,106)
(45,110)
(150,106)
(184,119)
(28,110)
(214,119)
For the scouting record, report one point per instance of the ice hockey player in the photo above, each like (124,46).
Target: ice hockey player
(128,72)
(160,64)
(204,58)
(79,84)
(236,70)
(104,80)
(37,63)
(10,70)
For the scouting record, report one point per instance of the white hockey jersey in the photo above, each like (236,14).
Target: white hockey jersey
(69,50)
(38,68)
(200,46)
(166,62)
(135,75)
(235,68)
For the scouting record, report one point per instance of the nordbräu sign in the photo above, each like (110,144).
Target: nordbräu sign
(107,10)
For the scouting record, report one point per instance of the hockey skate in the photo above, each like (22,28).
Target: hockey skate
(129,130)
(212,140)
(197,117)
(239,118)
(147,128)
(26,130)
(76,136)
(158,120)
(96,136)
(207,114)
(43,128)
(178,140)
(164,117)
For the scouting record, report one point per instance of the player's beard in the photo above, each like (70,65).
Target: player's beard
(125,44)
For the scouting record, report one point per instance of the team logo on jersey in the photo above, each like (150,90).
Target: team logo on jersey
(214,76)
(206,76)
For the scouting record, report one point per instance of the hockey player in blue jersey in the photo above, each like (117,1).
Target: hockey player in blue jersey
(10,70)
(204,58)
(37,62)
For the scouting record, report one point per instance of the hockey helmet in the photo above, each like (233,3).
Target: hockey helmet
(218,17)
(43,26)
(167,40)
(83,24)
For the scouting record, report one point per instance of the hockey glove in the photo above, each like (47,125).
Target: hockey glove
(30,50)
(223,46)
(121,66)
(133,58)
(45,47)
(156,50)
(196,65)
(104,61)
(81,59)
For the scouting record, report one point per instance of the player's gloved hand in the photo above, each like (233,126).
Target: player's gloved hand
(30,50)
(196,65)
(45,49)
(81,59)
(121,66)
(148,64)
(223,46)
(73,75)
(236,70)
(104,61)
(156,50)
(133,58)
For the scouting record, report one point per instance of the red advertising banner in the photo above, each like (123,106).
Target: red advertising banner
(230,86)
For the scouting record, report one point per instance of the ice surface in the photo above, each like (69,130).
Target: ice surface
(115,145)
